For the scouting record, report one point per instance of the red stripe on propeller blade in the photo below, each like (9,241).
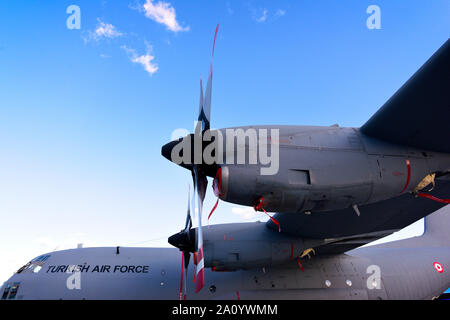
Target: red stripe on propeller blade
(214,47)
(182,274)
(200,279)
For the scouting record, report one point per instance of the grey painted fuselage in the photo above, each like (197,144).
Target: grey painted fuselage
(407,271)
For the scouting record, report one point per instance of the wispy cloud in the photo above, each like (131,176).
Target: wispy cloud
(229,9)
(107,30)
(145,60)
(261,16)
(103,31)
(245,213)
(280,13)
(163,13)
(248,214)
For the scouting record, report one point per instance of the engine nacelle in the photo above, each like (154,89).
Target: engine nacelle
(250,245)
(288,190)
(324,169)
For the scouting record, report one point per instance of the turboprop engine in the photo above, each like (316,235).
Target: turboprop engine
(233,247)
(304,169)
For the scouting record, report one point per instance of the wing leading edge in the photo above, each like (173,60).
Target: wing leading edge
(418,114)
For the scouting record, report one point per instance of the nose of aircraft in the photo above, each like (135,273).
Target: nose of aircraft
(166,150)
(183,240)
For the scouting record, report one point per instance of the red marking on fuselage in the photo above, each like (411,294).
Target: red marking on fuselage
(300,265)
(438,267)
(408,165)
(280,141)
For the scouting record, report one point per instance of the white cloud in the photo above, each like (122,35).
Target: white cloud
(262,16)
(103,31)
(106,30)
(145,60)
(280,13)
(229,10)
(245,213)
(164,13)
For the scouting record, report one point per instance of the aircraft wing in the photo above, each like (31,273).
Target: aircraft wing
(342,245)
(393,214)
(417,114)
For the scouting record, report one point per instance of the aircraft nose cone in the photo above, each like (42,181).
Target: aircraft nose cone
(166,150)
(183,241)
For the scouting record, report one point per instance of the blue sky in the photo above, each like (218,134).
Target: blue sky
(82,121)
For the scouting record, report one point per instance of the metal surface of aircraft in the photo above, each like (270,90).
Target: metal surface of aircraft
(334,190)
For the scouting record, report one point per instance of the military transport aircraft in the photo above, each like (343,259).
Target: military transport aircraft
(334,189)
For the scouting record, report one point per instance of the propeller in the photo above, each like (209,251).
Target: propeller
(200,184)
(184,239)
(204,115)
(198,175)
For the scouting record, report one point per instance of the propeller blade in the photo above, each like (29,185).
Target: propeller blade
(200,185)
(182,277)
(217,188)
(200,276)
(202,118)
(188,224)
(186,257)
(205,111)
(185,254)
(201,97)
